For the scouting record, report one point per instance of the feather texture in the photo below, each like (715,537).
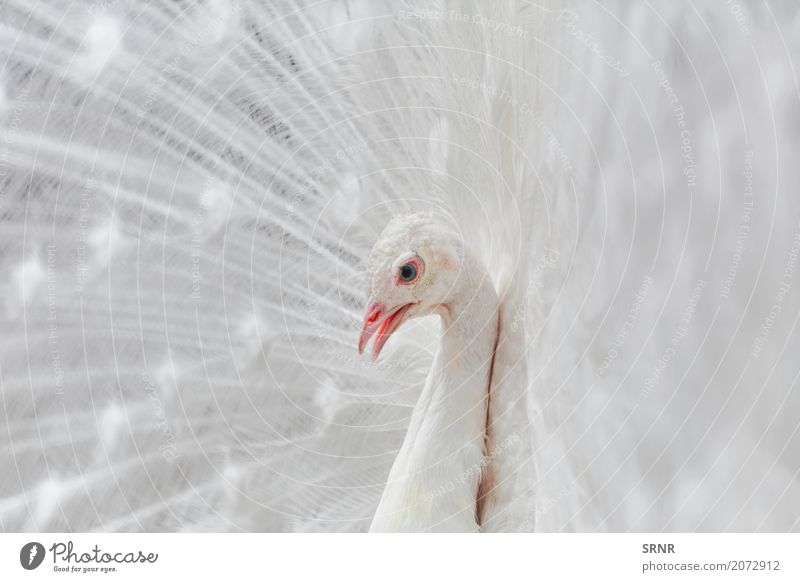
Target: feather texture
(189,192)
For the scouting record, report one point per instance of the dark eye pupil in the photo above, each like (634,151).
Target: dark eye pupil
(408,272)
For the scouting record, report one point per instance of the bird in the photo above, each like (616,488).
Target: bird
(446,476)
(418,268)
(562,234)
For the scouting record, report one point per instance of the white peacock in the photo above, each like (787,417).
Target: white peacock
(418,268)
(190,195)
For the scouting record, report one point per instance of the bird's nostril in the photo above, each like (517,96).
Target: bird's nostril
(374,314)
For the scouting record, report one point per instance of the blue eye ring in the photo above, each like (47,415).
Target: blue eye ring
(407,272)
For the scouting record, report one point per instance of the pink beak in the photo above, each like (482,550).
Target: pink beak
(381,323)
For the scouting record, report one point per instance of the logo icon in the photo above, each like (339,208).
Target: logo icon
(31,555)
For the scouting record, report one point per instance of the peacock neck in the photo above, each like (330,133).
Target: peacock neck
(433,484)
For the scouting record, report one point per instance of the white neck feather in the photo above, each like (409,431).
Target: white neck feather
(433,484)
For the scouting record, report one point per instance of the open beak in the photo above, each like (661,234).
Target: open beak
(381,323)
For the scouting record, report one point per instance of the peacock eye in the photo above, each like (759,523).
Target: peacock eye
(408,269)
(408,272)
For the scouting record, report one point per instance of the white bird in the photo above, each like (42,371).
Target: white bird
(596,201)
(418,267)
(450,473)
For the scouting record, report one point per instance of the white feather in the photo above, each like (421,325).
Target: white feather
(186,212)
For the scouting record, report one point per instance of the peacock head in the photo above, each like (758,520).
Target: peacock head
(413,271)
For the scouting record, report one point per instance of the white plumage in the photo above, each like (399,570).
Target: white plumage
(189,193)
(420,267)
